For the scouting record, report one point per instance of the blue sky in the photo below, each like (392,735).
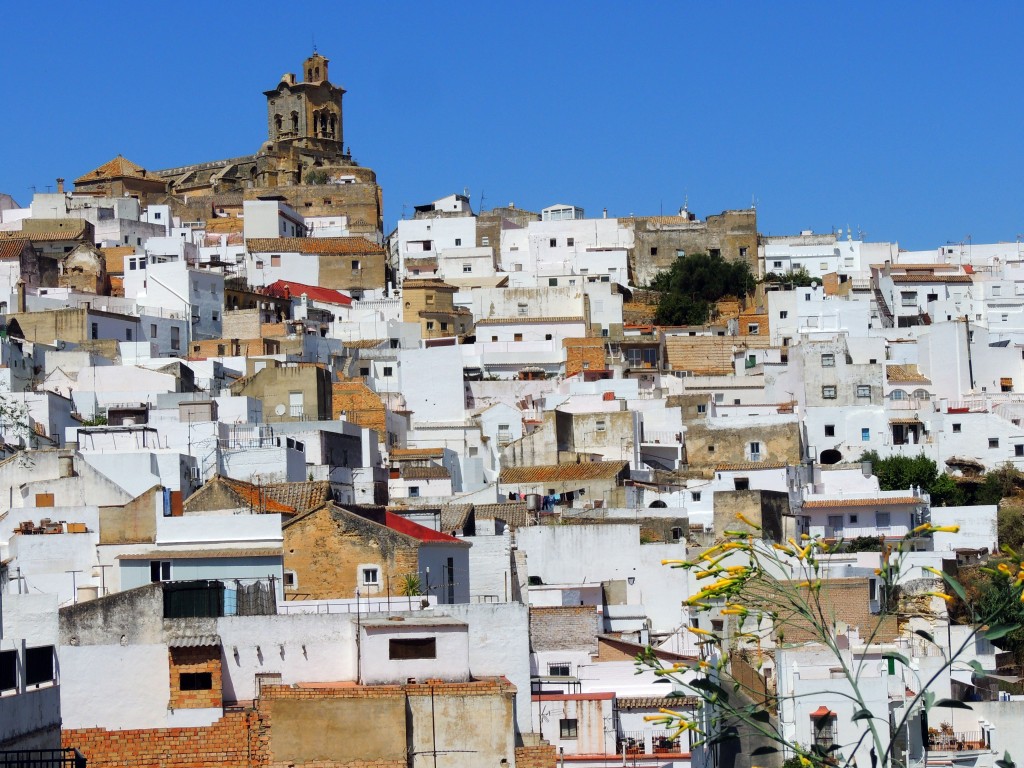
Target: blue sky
(900,120)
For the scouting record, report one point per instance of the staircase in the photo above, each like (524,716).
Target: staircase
(883,308)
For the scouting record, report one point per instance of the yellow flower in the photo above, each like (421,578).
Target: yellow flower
(699,631)
(1003,568)
(745,519)
(943,595)
(922,527)
(805,762)
(935,571)
(674,562)
(945,529)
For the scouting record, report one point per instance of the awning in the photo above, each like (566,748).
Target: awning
(194,641)
(822,711)
(907,420)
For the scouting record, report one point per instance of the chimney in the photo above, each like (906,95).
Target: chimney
(21,296)
(60,186)
(604,214)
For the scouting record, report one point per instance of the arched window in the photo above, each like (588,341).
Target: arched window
(897,394)
(318,73)
(277,123)
(922,394)
(295,122)
(316,123)
(334,122)
(309,74)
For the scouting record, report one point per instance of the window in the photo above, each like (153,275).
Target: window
(560,669)
(680,253)
(993,442)
(127,334)
(654,250)
(159,570)
(175,337)
(776,264)
(865,434)
(458,241)
(828,392)
(828,361)
(755,449)
(414,491)
(753,329)
(517,337)
(95,330)
(995,290)
(783,314)
(881,519)
(601,426)
(567,728)
(430,325)
(741,483)
(695,495)
(897,394)
(387,370)
(825,731)
(157,216)
(370,577)
(830,430)
(215,315)
(553,242)
(702,408)
(853,519)
(1018,450)
(364,371)
(355,265)
(467,268)
(485,240)
(8,670)
(39,665)
(259,263)
(743,251)
(863,390)
(570,241)
(430,298)
(444,326)
(275,261)
(195,681)
(547,337)
(401,648)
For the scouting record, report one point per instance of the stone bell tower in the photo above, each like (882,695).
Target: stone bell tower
(307,113)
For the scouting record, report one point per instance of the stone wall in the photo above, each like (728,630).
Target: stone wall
(556,628)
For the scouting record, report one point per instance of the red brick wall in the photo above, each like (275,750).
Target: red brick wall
(234,741)
(188,660)
(539,756)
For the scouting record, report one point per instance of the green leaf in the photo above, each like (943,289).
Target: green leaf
(952,704)
(1006,762)
(1000,630)
(862,714)
(929,700)
(926,635)
(897,656)
(976,666)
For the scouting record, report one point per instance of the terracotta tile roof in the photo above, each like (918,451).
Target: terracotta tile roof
(656,702)
(252,496)
(895,500)
(284,289)
(558,473)
(12,248)
(187,554)
(932,278)
(416,453)
(420,532)
(708,355)
(425,473)
(74,233)
(429,283)
(905,420)
(363,343)
(302,496)
(454,516)
(527,320)
(318,245)
(741,466)
(905,374)
(512,512)
(118,168)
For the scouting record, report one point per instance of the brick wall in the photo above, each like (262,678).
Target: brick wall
(228,743)
(844,600)
(186,661)
(559,628)
(538,756)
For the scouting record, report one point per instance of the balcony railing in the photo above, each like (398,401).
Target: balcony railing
(957,741)
(647,743)
(41,758)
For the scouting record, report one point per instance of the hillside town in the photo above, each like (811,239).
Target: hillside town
(280,488)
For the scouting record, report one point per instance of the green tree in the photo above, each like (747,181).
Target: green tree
(798,278)
(316,177)
(695,283)
(998,484)
(897,473)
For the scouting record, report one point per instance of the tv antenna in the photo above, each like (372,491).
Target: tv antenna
(480,206)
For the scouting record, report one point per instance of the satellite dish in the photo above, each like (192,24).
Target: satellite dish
(814,285)
(279,409)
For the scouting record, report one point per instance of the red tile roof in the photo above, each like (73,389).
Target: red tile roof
(819,503)
(284,289)
(417,531)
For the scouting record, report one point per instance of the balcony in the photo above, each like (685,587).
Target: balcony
(41,758)
(957,741)
(649,742)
